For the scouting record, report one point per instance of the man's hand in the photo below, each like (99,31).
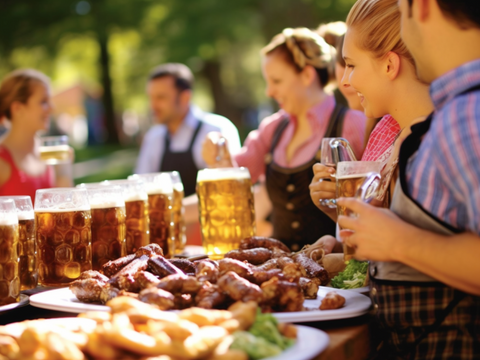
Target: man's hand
(211,151)
(376,233)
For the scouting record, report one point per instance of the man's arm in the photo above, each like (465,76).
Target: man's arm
(378,234)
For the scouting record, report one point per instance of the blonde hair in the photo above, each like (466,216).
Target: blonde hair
(301,47)
(332,32)
(19,86)
(378,25)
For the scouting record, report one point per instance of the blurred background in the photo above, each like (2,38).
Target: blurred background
(98,54)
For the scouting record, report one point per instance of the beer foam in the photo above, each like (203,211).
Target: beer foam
(25,215)
(135,197)
(223,174)
(352,176)
(158,188)
(61,208)
(107,204)
(8,219)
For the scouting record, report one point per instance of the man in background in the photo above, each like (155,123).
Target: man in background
(174,142)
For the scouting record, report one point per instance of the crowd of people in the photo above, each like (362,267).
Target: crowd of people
(408,96)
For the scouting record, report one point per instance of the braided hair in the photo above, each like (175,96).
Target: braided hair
(301,47)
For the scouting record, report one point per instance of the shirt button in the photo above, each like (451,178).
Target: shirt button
(373,291)
(289,206)
(375,308)
(290,188)
(295,247)
(374,271)
(295,225)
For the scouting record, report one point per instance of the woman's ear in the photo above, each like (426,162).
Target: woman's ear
(15,108)
(392,65)
(308,75)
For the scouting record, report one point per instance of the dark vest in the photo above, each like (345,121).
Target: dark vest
(295,218)
(182,162)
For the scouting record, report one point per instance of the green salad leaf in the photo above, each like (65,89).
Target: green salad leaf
(352,277)
(263,339)
(256,347)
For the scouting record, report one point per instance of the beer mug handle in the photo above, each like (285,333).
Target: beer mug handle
(369,189)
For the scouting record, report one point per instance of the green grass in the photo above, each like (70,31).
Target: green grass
(98,151)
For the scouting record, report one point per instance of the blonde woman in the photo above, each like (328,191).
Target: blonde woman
(380,69)
(286,145)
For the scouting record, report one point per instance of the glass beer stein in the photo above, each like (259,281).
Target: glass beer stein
(226,207)
(108,224)
(9,278)
(55,150)
(63,233)
(27,246)
(159,188)
(351,176)
(178,212)
(136,211)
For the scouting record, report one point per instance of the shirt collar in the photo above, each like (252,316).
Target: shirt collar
(191,120)
(454,82)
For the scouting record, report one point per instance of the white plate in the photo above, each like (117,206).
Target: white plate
(310,342)
(63,300)
(361,290)
(355,304)
(21,302)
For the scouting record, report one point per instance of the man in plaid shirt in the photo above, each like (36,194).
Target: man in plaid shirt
(424,251)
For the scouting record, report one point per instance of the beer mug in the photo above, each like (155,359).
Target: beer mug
(351,175)
(159,188)
(27,247)
(178,212)
(9,280)
(226,206)
(54,150)
(108,224)
(63,233)
(333,151)
(136,211)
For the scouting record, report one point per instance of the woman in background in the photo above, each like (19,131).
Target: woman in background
(25,102)
(296,68)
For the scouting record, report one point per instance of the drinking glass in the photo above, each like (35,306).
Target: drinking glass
(55,150)
(226,206)
(9,280)
(159,188)
(108,224)
(27,247)
(355,178)
(136,211)
(63,233)
(333,151)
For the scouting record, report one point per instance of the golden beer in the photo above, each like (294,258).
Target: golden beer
(9,280)
(347,186)
(226,207)
(108,234)
(27,246)
(64,244)
(137,225)
(160,215)
(57,154)
(179,220)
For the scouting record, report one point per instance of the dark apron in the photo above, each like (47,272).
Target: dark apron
(295,218)
(182,162)
(417,316)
